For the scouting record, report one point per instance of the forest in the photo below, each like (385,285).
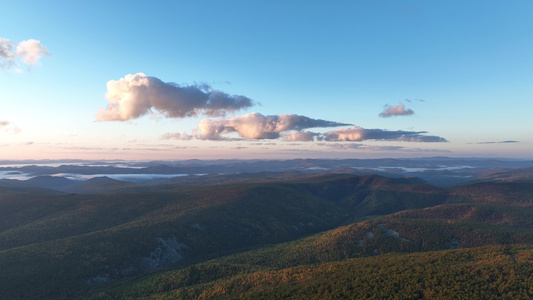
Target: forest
(309,236)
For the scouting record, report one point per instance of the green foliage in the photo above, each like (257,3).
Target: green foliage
(63,246)
(501,193)
(492,272)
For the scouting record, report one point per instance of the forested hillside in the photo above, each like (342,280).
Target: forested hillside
(55,245)
(492,272)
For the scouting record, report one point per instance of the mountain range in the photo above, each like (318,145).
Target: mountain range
(267,235)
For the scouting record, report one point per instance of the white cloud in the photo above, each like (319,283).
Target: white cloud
(29,51)
(258,126)
(9,128)
(177,136)
(137,94)
(301,136)
(292,128)
(398,110)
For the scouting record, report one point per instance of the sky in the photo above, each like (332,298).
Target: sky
(171,80)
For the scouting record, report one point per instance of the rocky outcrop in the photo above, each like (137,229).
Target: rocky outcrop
(167,252)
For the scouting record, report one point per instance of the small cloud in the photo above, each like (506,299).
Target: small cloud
(500,142)
(14,130)
(345,146)
(393,111)
(31,51)
(28,51)
(365,147)
(258,126)
(383,148)
(414,100)
(428,150)
(301,136)
(137,94)
(177,136)
(9,128)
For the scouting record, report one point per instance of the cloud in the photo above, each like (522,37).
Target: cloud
(137,94)
(14,130)
(357,134)
(374,148)
(29,51)
(417,100)
(301,136)
(345,146)
(500,142)
(177,136)
(364,147)
(393,111)
(292,128)
(9,128)
(258,126)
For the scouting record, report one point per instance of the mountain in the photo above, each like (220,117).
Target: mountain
(50,182)
(98,185)
(47,182)
(114,240)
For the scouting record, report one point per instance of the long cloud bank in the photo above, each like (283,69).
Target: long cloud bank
(29,51)
(137,94)
(258,126)
(292,128)
(358,134)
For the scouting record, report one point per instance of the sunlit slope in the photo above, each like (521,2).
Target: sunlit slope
(361,261)
(396,233)
(491,272)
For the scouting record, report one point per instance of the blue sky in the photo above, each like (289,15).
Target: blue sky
(455,76)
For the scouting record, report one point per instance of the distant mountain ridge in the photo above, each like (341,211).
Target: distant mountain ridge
(440,171)
(97,185)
